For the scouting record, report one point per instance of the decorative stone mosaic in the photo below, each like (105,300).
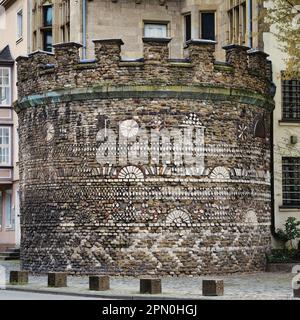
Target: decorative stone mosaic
(144,167)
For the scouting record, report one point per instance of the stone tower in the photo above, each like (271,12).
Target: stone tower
(147,166)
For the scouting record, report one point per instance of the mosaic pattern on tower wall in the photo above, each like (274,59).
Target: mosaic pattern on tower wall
(152,180)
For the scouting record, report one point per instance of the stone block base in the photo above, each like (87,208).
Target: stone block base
(297,293)
(151,286)
(99,283)
(18,277)
(212,287)
(57,279)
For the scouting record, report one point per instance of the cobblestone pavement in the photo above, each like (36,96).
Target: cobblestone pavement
(256,286)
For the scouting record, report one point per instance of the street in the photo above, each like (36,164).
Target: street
(19,295)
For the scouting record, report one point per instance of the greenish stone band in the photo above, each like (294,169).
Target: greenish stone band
(203,92)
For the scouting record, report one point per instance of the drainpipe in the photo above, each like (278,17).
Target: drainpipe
(272,167)
(250,42)
(84,29)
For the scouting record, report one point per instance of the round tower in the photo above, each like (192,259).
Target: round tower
(152,166)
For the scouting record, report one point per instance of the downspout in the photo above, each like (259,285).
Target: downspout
(84,29)
(272,167)
(272,164)
(250,30)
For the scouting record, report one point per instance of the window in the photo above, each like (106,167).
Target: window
(9,219)
(47,44)
(47,16)
(65,21)
(20,24)
(47,28)
(5,86)
(153,30)
(291,181)
(5,146)
(207,25)
(44,14)
(237,16)
(243,22)
(188,27)
(291,100)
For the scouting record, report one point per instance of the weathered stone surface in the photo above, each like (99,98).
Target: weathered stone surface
(143,168)
(296,293)
(18,277)
(212,287)
(99,283)
(150,286)
(57,279)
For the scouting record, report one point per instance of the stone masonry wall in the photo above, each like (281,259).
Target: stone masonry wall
(152,166)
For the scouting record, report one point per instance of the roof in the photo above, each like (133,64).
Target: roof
(6,57)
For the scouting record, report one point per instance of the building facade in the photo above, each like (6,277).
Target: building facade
(13,42)
(286,133)
(229,21)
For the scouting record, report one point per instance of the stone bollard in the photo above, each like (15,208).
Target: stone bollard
(151,286)
(57,279)
(212,287)
(99,283)
(18,277)
(297,291)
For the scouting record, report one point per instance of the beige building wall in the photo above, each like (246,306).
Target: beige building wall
(125,19)
(18,46)
(282,130)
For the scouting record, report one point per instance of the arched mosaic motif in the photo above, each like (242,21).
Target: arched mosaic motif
(131,172)
(260,129)
(220,173)
(178,216)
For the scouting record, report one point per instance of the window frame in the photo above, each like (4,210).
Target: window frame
(188,14)
(9,86)
(201,26)
(158,23)
(285,112)
(20,25)
(9,146)
(9,214)
(46,28)
(45,47)
(287,201)
(44,18)
(237,15)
